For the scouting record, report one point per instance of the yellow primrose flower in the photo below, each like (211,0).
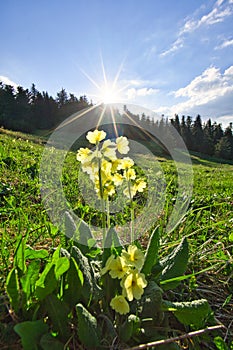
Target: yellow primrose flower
(140,185)
(120,304)
(83,154)
(122,144)
(125,163)
(133,285)
(96,136)
(118,268)
(117,179)
(130,191)
(130,174)
(133,256)
(107,265)
(109,149)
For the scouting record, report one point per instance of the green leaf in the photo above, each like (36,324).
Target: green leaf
(220,343)
(58,314)
(12,288)
(30,333)
(62,265)
(48,342)
(28,281)
(87,328)
(127,329)
(84,266)
(70,226)
(231,237)
(111,241)
(19,256)
(151,256)
(194,313)
(174,265)
(73,284)
(84,233)
(151,302)
(47,282)
(35,254)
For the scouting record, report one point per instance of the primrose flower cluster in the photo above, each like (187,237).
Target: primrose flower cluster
(106,170)
(126,268)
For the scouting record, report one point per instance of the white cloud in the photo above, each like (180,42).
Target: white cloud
(225,43)
(7,81)
(133,92)
(209,94)
(218,14)
(178,44)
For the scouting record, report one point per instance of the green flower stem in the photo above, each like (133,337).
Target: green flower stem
(108,213)
(131,214)
(102,198)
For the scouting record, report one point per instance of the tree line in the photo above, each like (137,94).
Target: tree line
(208,138)
(30,110)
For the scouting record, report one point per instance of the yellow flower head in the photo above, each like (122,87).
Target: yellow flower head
(125,163)
(120,305)
(109,149)
(122,144)
(133,257)
(140,185)
(133,285)
(96,136)
(115,266)
(83,154)
(118,268)
(130,174)
(117,179)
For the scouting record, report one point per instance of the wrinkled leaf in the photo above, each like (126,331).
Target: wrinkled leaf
(87,328)
(151,256)
(194,313)
(73,284)
(174,265)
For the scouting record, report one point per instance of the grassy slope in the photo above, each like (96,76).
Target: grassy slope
(208,223)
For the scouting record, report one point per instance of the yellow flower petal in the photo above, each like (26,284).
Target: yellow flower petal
(133,285)
(120,305)
(107,265)
(96,136)
(125,163)
(118,268)
(133,257)
(122,144)
(83,154)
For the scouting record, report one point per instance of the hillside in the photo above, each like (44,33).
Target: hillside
(207,224)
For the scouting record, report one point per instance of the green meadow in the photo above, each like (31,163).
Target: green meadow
(207,225)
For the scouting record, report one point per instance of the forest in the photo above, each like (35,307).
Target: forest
(31,111)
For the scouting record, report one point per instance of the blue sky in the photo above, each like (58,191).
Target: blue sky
(171,56)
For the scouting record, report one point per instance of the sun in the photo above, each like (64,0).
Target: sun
(109,94)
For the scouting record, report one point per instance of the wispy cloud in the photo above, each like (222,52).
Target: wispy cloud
(178,44)
(7,81)
(218,14)
(132,93)
(224,44)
